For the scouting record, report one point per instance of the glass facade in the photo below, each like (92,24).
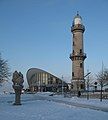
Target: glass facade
(40,80)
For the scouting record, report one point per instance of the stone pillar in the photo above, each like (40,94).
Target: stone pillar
(17,89)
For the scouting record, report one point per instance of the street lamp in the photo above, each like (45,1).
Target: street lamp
(62,85)
(88,88)
(87,74)
(87,84)
(101,82)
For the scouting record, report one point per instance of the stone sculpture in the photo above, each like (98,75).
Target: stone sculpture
(17,86)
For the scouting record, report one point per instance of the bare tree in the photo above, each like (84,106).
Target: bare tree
(102,77)
(4,70)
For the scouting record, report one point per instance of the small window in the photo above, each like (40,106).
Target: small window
(82,86)
(73,43)
(73,51)
(80,50)
(81,65)
(72,73)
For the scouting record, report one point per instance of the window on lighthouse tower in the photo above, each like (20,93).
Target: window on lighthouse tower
(73,74)
(81,65)
(80,51)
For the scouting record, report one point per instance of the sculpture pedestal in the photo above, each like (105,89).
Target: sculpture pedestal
(17,89)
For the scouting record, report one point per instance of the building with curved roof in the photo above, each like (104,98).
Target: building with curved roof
(40,80)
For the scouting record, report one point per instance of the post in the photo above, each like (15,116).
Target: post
(62,85)
(88,88)
(87,83)
(101,92)
(101,84)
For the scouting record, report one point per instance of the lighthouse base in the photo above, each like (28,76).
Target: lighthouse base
(77,85)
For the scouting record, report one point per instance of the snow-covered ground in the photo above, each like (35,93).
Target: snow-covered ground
(41,106)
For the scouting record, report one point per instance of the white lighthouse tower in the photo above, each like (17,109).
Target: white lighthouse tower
(77,56)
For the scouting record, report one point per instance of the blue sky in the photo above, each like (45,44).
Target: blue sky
(36,33)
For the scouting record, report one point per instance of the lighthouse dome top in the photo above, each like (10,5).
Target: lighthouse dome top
(77,19)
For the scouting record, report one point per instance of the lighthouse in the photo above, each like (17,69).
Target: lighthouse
(77,56)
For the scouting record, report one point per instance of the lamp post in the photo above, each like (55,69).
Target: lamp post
(101,84)
(62,85)
(88,73)
(88,88)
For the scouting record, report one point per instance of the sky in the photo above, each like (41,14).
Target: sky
(37,34)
